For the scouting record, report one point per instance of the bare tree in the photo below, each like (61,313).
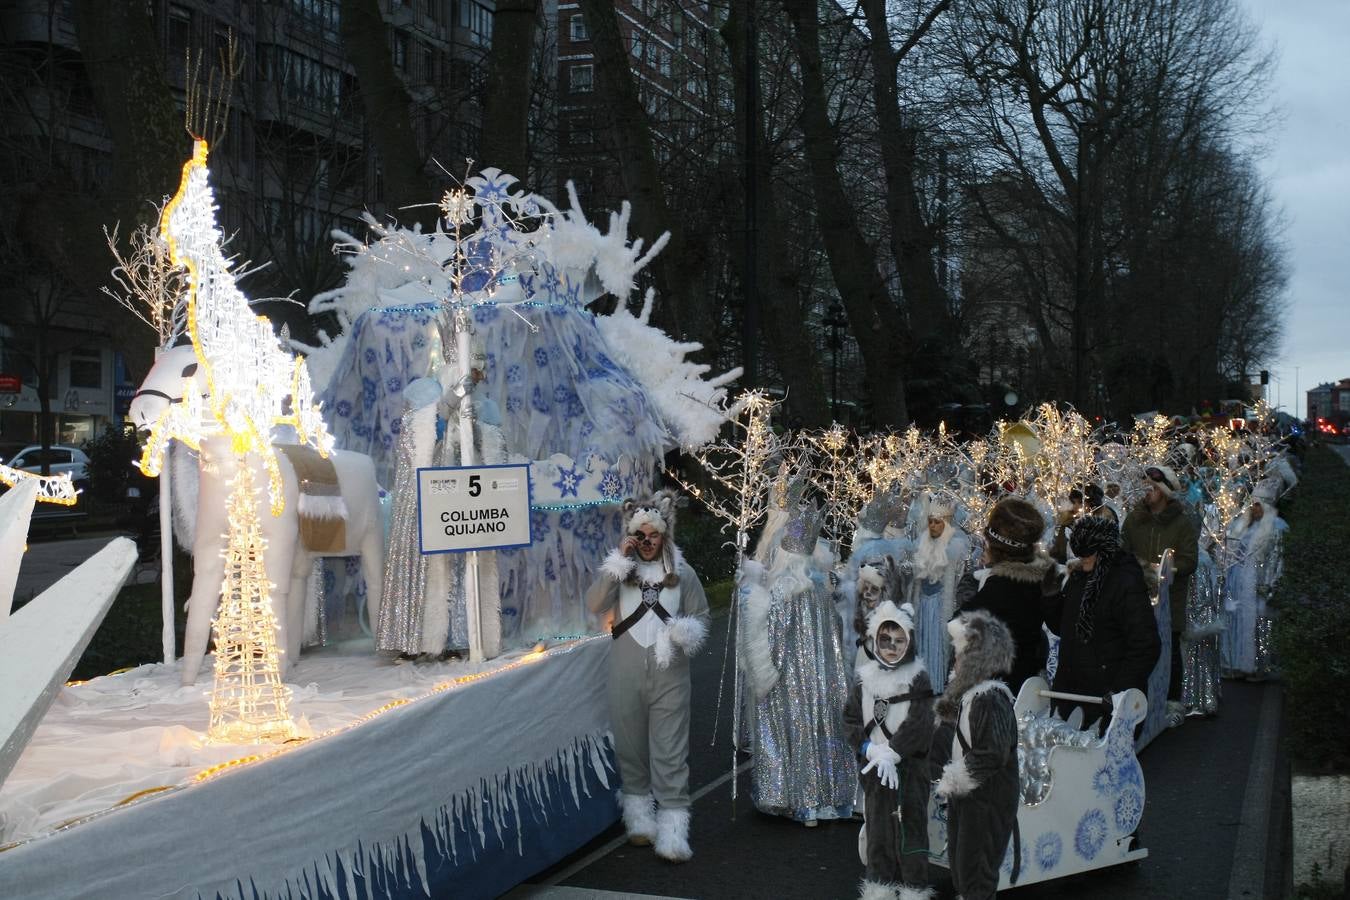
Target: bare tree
(509,80)
(874,317)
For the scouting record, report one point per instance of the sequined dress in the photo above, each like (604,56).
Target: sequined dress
(408,622)
(1200,656)
(803,766)
(1255,569)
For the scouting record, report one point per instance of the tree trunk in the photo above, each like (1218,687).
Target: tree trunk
(639,174)
(875,320)
(912,238)
(507,106)
(388,110)
(789,342)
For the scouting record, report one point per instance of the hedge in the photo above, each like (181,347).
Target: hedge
(1312,616)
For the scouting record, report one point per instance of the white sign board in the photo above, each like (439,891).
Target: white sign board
(473,508)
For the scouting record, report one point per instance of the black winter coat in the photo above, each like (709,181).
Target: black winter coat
(1012,592)
(1124,645)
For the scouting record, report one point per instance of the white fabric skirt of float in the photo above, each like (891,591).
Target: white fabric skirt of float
(447,779)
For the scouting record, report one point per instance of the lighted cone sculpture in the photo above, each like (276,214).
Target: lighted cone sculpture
(249,704)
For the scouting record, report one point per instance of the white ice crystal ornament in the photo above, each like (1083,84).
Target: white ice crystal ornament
(528,250)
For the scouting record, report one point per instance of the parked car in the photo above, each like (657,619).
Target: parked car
(61,457)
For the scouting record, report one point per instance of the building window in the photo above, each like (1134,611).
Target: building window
(86,369)
(179,38)
(578,24)
(400,50)
(432,10)
(428,65)
(581,79)
(478,20)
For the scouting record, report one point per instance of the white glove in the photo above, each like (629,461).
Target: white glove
(882,758)
(886,773)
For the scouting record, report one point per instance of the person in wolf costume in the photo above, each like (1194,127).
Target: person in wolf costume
(889,721)
(659,616)
(879,580)
(977,736)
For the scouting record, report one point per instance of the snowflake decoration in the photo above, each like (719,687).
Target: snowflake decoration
(1091,834)
(611,485)
(1049,846)
(1129,809)
(569,479)
(457,206)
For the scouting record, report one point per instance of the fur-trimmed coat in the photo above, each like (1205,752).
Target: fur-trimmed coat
(1012,591)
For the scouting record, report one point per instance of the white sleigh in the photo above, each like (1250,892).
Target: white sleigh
(1080,801)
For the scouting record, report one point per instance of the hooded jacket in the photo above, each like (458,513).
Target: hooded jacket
(1147,535)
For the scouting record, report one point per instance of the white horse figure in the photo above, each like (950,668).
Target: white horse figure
(287,563)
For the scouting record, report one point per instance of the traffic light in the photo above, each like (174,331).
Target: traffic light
(1265,376)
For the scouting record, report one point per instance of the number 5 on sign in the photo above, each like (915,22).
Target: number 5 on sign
(463,508)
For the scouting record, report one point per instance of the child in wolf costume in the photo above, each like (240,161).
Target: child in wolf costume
(977,726)
(660,618)
(889,720)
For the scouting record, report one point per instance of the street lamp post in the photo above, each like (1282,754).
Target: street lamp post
(835,320)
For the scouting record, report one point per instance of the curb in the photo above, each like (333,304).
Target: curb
(1248,875)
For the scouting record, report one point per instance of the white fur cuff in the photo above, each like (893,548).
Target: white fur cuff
(617,566)
(663,648)
(956,781)
(688,633)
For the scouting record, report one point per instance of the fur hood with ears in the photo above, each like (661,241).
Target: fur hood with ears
(1031,572)
(988,652)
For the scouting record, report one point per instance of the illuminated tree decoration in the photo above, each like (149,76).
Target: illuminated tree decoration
(249,704)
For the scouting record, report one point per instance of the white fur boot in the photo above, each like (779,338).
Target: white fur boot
(876,890)
(672,835)
(639,819)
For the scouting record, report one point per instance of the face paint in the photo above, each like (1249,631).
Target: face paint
(892,644)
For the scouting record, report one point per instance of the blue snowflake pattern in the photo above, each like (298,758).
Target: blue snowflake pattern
(394,384)
(565,523)
(351,565)
(485,314)
(513,374)
(387,440)
(605,361)
(368,387)
(362,430)
(1128,774)
(587,428)
(396,427)
(329,579)
(369,356)
(1129,808)
(538,400)
(1049,847)
(548,569)
(1104,780)
(569,479)
(344,408)
(1090,835)
(514,403)
(611,485)
(540,357)
(539,526)
(590,530)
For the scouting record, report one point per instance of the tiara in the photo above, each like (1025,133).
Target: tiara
(1005,541)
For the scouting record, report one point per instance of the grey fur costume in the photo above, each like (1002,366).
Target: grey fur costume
(977,729)
(649,688)
(896,820)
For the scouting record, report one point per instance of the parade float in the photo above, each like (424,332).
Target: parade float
(318,771)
